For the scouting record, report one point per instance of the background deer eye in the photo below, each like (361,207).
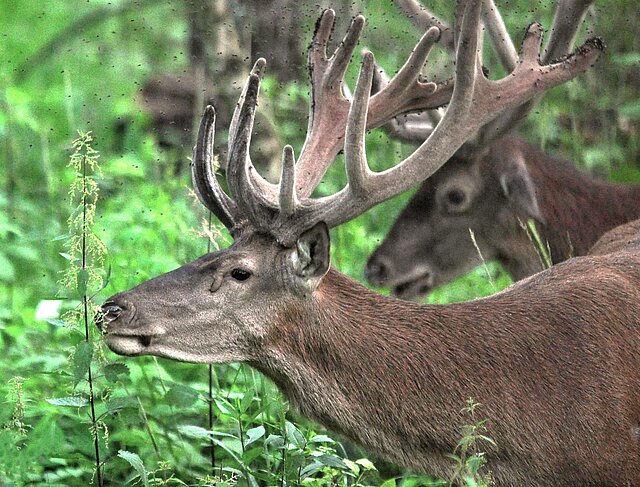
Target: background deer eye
(240,274)
(455,197)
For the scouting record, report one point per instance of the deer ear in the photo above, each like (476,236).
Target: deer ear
(517,186)
(311,257)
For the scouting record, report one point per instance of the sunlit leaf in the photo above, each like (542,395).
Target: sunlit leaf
(113,372)
(136,462)
(74,401)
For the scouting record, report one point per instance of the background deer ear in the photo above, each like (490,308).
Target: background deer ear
(311,257)
(517,186)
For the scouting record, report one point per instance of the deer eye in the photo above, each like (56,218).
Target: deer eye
(455,197)
(240,274)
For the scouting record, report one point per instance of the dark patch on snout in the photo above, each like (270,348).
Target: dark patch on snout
(108,313)
(376,272)
(119,322)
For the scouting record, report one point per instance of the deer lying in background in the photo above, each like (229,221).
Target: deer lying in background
(430,242)
(553,359)
(489,189)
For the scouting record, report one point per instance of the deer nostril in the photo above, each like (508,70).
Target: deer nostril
(376,272)
(108,313)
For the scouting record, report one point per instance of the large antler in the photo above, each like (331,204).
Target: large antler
(568,17)
(329,106)
(475,101)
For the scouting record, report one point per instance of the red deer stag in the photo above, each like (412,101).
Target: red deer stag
(492,186)
(552,359)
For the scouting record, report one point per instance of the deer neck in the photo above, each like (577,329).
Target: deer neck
(578,209)
(355,362)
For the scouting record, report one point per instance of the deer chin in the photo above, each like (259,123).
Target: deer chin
(413,289)
(130,344)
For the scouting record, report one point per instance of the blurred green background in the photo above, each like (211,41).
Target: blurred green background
(136,74)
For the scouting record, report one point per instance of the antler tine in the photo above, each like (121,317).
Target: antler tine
(405,92)
(240,172)
(258,70)
(330,108)
(265,188)
(354,148)
(500,38)
(424,20)
(328,105)
(566,22)
(288,198)
(409,127)
(203,175)
(567,19)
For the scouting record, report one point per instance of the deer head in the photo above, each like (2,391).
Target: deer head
(467,212)
(476,206)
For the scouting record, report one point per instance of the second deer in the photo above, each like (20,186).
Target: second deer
(476,207)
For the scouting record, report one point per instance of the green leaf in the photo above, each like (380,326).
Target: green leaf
(332,461)
(322,439)
(72,401)
(246,401)
(274,441)
(105,281)
(254,434)
(251,454)
(117,404)
(112,372)
(224,407)
(192,431)
(82,360)
(630,109)
(294,435)
(82,281)
(311,469)
(136,462)
(60,323)
(7,271)
(389,483)
(181,396)
(366,464)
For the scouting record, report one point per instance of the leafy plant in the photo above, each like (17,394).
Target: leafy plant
(469,457)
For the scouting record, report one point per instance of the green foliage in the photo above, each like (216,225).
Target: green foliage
(469,456)
(150,413)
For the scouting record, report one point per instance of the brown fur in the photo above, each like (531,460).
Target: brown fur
(553,359)
(624,237)
(577,208)
(560,389)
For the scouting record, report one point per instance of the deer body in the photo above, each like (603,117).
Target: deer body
(577,209)
(430,242)
(555,369)
(394,376)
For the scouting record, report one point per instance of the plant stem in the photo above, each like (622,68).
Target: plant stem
(85,304)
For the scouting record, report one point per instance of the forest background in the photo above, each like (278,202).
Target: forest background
(136,74)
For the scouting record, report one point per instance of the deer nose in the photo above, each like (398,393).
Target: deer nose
(376,271)
(108,313)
